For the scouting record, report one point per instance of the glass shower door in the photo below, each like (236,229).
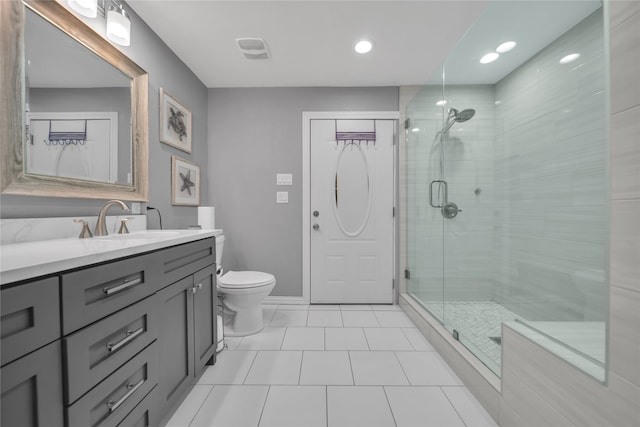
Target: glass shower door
(425,235)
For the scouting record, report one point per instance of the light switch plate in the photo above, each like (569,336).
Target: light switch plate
(282,197)
(284,179)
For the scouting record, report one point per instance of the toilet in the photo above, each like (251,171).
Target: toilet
(242,293)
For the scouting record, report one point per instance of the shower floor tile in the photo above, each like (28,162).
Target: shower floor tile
(477,322)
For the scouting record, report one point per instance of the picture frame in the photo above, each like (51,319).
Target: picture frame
(185,182)
(175,122)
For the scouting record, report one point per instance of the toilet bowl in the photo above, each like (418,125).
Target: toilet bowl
(242,293)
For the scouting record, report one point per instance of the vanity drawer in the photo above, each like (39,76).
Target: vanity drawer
(97,350)
(30,317)
(112,400)
(183,260)
(95,292)
(145,414)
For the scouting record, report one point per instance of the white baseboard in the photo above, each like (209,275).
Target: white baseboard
(275,300)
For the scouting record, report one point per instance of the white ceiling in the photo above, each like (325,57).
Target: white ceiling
(311,42)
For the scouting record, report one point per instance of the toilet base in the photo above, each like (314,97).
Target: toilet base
(245,322)
(231,333)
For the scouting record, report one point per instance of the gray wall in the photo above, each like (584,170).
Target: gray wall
(165,70)
(255,133)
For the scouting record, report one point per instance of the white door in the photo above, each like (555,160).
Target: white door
(351,208)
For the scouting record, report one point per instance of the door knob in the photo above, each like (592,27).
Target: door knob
(316,213)
(316,227)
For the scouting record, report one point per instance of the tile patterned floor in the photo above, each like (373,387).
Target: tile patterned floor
(331,366)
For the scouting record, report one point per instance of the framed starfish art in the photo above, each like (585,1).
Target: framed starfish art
(185,182)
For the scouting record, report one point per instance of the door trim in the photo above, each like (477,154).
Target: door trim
(307,116)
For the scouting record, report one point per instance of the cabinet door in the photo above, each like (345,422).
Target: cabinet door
(176,340)
(32,390)
(204,317)
(30,317)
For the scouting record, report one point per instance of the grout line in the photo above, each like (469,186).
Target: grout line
(353,377)
(407,337)
(365,338)
(326,404)
(300,370)
(384,390)
(255,356)
(264,405)
(199,407)
(452,405)
(395,353)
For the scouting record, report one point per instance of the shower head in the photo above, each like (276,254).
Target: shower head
(464,115)
(456,116)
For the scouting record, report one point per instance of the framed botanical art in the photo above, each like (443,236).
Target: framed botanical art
(175,122)
(185,182)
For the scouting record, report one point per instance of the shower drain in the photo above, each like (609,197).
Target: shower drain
(497,340)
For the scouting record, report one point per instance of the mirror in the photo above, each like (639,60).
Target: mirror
(352,190)
(77,124)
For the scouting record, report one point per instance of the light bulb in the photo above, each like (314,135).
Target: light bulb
(118,26)
(88,8)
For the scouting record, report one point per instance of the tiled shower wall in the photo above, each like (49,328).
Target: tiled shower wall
(551,219)
(468,170)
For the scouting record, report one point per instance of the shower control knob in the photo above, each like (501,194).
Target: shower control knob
(450,210)
(316,227)
(316,213)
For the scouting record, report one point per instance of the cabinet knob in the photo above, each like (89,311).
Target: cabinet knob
(193,290)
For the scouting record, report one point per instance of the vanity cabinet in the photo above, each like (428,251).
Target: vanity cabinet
(31,377)
(115,344)
(188,309)
(32,390)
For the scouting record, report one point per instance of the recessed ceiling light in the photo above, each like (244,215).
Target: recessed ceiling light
(489,57)
(363,46)
(441,102)
(570,58)
(505,47)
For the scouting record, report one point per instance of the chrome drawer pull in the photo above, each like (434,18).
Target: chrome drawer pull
(130,336)
(132,389)
(121,287)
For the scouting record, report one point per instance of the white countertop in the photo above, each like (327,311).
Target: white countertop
(20,261)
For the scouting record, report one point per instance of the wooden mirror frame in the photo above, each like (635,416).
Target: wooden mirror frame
(14,180)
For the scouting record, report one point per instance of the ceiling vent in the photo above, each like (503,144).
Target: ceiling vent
(253,48)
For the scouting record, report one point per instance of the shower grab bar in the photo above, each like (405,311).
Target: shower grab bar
(445,194)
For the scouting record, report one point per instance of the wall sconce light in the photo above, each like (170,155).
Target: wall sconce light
(118,25)
(118,22)
(88,8)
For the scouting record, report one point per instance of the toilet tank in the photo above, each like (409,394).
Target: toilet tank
(219,249)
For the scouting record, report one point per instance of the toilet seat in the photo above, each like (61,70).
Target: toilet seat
(245,279)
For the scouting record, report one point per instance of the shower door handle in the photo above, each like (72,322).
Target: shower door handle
(444,202)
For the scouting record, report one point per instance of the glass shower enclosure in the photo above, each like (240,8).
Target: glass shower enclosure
(507,186)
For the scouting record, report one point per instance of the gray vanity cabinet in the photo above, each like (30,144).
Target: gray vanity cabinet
(115,344)
(187,332)
(32,390)
(204,318)
(30,375)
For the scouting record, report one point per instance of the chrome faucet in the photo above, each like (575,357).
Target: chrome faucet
(101,225)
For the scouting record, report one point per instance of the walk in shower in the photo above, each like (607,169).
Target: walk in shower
(507,184)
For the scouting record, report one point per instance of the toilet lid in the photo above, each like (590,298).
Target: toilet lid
(245,279)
